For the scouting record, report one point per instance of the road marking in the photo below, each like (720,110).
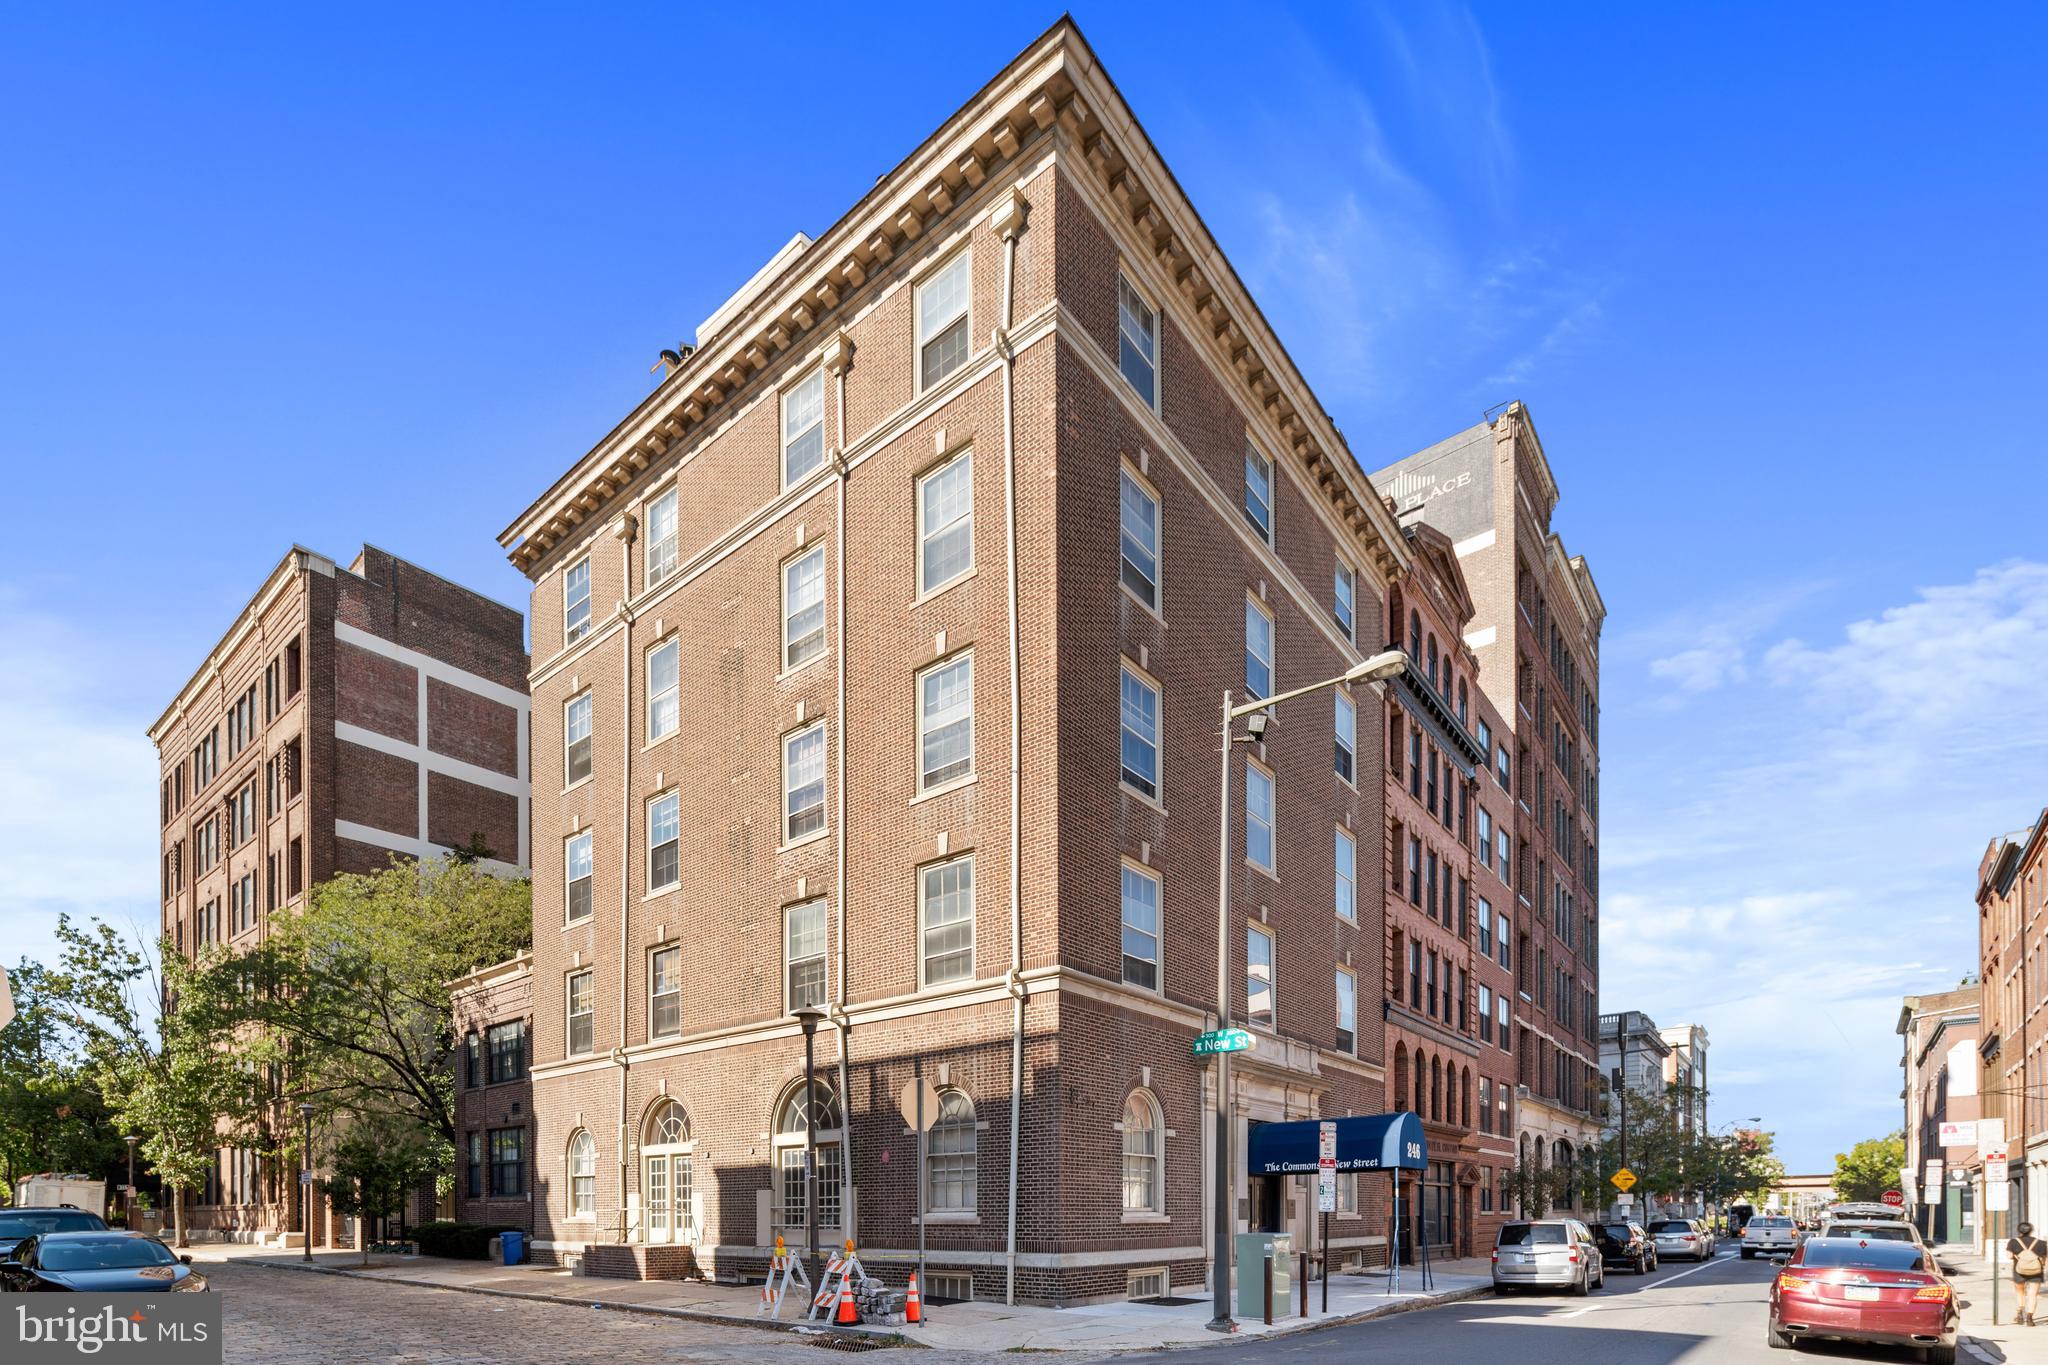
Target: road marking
(1580,1312)
(1711,1261)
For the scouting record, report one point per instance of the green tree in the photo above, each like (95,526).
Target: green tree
(52,1115)
(1867,1170)
(375,1163)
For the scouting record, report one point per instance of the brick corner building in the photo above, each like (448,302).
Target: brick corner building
(347,715)
(2012,890)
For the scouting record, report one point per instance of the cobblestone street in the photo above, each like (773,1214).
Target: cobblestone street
(287,1317)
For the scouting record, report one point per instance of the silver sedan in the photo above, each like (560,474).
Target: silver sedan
(1681,1237)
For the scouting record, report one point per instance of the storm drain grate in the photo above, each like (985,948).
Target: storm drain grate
(854,1342)
(1168,1301)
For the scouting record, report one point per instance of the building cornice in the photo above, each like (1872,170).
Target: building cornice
(297,560)
(496,973)
(1055,84)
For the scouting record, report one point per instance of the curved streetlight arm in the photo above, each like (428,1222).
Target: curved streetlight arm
(1383,665)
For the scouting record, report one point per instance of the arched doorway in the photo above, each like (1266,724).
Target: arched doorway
(822,1107)
(667,1189)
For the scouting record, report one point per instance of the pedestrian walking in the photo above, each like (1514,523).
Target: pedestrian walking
(2029,1263)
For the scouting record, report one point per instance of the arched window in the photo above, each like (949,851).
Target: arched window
(582,1175)
(821,1106)
(1432,661)
(1436,1089)
(667,1191)
(951,1156)
(1465,1097)
(1400,1062)
(1414,636)
(1463,703)
(1143,1147)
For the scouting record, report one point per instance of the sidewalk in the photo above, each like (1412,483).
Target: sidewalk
(1972,1274)
(983,1327)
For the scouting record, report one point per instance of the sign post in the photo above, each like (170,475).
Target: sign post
(1326,1193)
(919,1105)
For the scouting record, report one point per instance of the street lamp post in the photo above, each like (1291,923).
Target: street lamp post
(808,1018)
(128,1214)
(1259,713)
(306,1190)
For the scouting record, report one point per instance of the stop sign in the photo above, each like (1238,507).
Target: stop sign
(1894,1198)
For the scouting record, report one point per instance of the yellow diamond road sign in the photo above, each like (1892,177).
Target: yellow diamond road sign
(1624,1179)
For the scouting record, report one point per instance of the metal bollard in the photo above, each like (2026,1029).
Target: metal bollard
(1304,1283)
(1269,1286)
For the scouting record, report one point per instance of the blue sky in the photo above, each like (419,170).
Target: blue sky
(1768,276)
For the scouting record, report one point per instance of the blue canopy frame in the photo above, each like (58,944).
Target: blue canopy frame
(1368,1142)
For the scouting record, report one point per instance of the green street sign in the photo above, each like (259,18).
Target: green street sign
(1222,1040)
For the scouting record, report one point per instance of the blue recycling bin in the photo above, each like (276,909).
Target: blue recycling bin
(513,1244)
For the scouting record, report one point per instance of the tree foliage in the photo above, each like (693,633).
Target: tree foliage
(52,1116)
(1867,1170)
(374,1163)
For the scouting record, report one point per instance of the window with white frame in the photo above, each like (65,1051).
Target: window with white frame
(803,953)
(1258,816)
(1137,326)
(1342,598)
(1485,927)
(664,689)
(1501,853)
(1140,733)
(1503,936)
(576,740)
(950,1155)
(581,998)
(942,331)
(1141,928)
(1347,1192)
(664,841)
(1485,1022)
(1138,538)
(582,1175)
(946,912)
(661,537)
(1258,975)
(1485,838)
(810,1109)
(945,723)
(945,523)
(577,865)
(1347,876)
(1347,737)
(576,601)
(803,783)
(1258,490)
(803,608)
(1143,1147)
(803,427)
(664,992)
(1258,649)
(1347,1011)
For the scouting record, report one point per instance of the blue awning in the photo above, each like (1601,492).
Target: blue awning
(1369,1142)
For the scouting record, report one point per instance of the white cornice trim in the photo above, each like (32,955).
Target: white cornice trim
(297,559)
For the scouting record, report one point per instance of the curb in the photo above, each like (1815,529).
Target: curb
(573,1301)
(1385,1310)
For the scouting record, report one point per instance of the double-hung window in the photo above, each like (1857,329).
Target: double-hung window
(1258,649)
(576,601)
(577,865)
(508,1163)
(942,331)
(576,740)
(1140,733)
(803,953)
(945,523)
(508,1051)
(1503,936)
(1258,816)
(1485,838)
(803,427)
(1347,876)
(1485,928)
(1485,1025)
(1347,1011)
(1347,737)
(945,723)
(1141,928)
(1258,975)
(1258,490)
(582,1006)
(664,690)
(803,782)
(803,608)
(661,537)
(1138,538)
(946,933)
(665,993)
(1341,598)
(664,841)
(1137,351)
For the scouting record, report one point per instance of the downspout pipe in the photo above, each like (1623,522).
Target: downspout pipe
(1007,219)
(838,358)
(625,529)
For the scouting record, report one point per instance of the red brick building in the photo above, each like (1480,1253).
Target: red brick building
(493,1014)
(2012,893)
(1535,634)
(346,715)
(877,661)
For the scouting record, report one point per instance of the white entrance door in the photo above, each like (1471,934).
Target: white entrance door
(660,1209)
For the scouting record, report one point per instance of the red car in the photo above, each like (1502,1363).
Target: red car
(1853,1289)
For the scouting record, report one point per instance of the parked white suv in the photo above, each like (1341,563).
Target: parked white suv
(1769,1232)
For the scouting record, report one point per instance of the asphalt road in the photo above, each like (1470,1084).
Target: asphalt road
(1711,1314)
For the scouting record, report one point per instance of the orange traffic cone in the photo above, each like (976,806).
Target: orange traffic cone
(913,1306)
(848,1315)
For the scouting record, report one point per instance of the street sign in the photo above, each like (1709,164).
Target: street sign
(1990,1135)
(1997,1198)
(1933,1176)
(1994,1168)
(305,1177)
(1222,1040)
(1962,1134)
(917,1119)
(1894,1199)
(1624,1179)
(1326,1167)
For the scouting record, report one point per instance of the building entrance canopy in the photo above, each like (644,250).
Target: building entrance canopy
(1370,1142)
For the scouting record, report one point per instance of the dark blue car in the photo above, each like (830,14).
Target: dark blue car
(17,1223)
(97,1263)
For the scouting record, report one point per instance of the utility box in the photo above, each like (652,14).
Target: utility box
(1252,1250)
(48,1191)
